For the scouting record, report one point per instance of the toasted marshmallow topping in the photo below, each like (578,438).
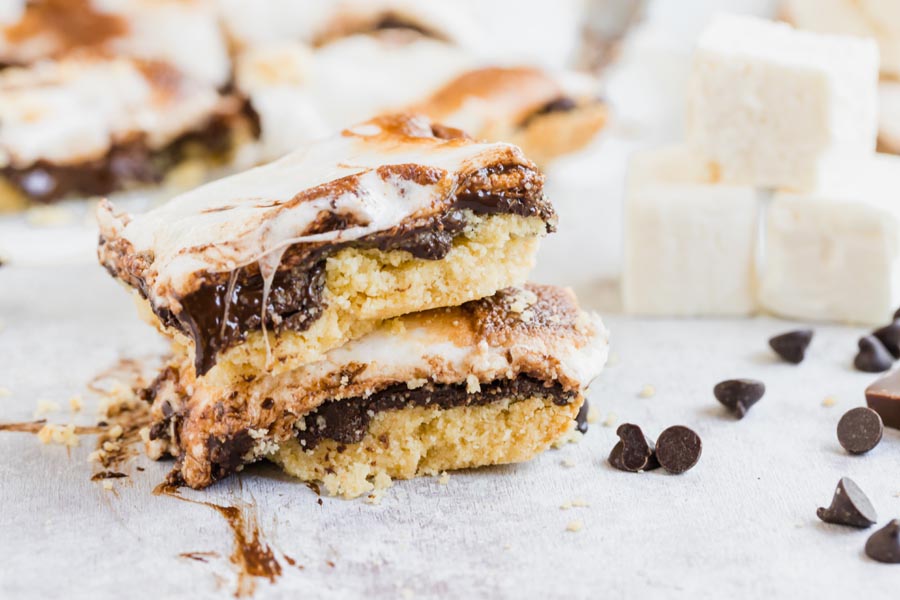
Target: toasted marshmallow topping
(185,35)
(375,176)
(74,110)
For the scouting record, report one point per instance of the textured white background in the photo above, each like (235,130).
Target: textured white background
(740,524)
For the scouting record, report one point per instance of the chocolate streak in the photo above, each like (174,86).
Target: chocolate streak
(217,320)
(347,421)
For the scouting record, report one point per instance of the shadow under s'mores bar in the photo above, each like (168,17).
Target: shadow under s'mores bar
(538,111)
(268,270)
(493,381)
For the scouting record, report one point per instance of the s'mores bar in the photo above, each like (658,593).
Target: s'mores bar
(771,106)
(88,126)
(493,381)
(270,269)
(543,114)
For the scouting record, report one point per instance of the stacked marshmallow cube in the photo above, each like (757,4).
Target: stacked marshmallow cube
(770,109)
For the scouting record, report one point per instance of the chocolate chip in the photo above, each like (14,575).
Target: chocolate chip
(634,452)
(791,346)
(738,395)
(884,544)
(883,397)
(859,430)
(897,314)
(873,357)
(678,449)
(581,423)
(849,506)
(889,336)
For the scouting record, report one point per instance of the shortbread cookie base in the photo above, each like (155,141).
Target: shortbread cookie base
(419,441)
(365,287)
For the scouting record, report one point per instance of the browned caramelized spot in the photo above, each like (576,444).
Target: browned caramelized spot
(418,174)
(347,421)
(495,323)
(348,23)
(71,23)
(520,89)
(446,132)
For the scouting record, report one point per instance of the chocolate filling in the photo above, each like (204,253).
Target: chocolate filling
(126,164)
(216,319)
(347,421)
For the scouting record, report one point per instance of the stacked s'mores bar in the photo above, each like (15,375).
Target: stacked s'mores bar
(778,200)
(356,311)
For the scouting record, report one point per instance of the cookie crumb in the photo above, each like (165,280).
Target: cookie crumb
(58,434)
(565,506)
(115,432)
(568,462)
(507,546)
(580,503)
(48,216)
(5,392)
(75,403)
(610,420)
(444,479)
(573,436)
(648,391)
(829,401)
(107,484)
(45,407)
(575,526)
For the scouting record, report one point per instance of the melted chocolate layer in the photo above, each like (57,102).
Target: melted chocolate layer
(126,164)
(347,421)
(216,319)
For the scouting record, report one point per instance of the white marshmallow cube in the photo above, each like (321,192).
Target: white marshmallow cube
(771,106)
(690,243)
(834,255)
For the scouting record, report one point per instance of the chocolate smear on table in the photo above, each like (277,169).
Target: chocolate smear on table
(873,357)
(849,506)
(634,452)
(738,395)
(860,430)
(883,397)
(884,544)
(252,557)
(889,336)
(581,422)
(792,345)
(678,449)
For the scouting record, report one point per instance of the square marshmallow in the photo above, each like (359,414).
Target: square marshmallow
(771,106)
(690,243)
(835,254)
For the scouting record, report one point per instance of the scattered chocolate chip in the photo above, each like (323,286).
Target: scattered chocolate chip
(738,395)
(634,452)
(859,430)
(678,449)
(791,346)
(884,544)
(849,506)
(883,397)
(873,357)
(889,336)
(581,423)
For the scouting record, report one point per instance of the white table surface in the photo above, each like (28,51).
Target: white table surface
(741,524)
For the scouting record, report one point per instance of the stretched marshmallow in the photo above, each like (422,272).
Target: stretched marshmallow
(776,107)
(879,19)
(690,243)
(835,254)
